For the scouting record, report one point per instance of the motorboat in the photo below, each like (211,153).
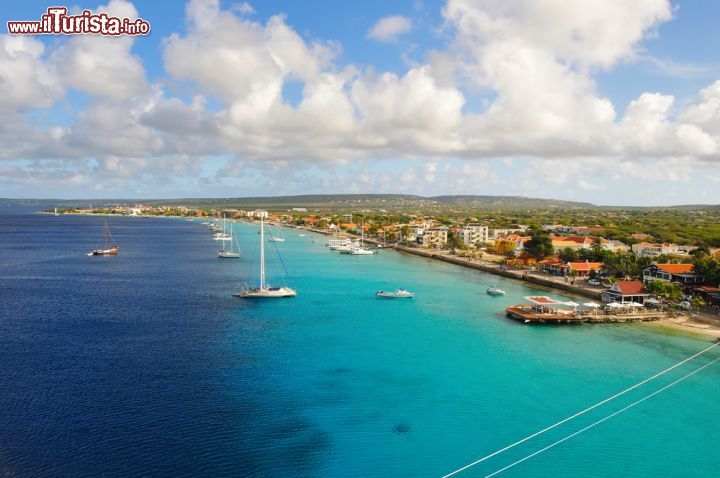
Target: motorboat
(360,251)
(396,294)
(493,290)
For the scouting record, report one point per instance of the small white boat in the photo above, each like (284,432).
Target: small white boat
(492,290)
(301,235)
(335,244)
(346,248)
(396,294)
(221,236)
(360,251)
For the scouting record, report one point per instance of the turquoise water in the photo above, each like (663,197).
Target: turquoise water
(373,387)
(143,364)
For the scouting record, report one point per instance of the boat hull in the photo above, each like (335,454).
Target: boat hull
(105,252)
(228,255)
(266,293)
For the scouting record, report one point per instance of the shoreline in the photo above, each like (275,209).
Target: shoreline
(702,328)
(696,325)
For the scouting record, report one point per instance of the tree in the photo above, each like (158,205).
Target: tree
(666,290)
(539,246)
(701,250)
(697,302)
(709,267)
(568,255)
(404,232)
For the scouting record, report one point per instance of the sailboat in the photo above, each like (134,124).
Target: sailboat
(221,235)
(278,237)
(360,250)
(56,213)
(107,239)
(264,290)
(232,253)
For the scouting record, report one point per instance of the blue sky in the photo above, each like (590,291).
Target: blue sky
(281,97)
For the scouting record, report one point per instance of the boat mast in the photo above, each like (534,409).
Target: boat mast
(106,231)
(224,232)
(262,250)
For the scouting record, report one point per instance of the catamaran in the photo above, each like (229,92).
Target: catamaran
(232,253)
(264,290)
(107,248)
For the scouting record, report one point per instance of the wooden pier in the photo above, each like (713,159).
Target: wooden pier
(530,314)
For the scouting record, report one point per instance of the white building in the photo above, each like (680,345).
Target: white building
(434,237)
(474,233)
(257,214)
(498,233)
(415,233)
(648,249)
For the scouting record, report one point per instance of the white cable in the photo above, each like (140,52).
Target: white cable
(582,412)
(602,419)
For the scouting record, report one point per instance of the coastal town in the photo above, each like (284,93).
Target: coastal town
(631,277)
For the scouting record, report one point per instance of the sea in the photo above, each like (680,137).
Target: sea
(143,364)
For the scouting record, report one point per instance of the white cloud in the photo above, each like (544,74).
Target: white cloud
(102,66)
(537,60)
(26,81)
(388,29)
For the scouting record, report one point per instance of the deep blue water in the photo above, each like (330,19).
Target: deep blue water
(143,364)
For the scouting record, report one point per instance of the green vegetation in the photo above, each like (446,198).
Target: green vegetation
(693,225)
(540,245)
(667,290)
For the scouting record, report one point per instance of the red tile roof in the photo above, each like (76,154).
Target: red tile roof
(630,287)
(676,268)
(585,266)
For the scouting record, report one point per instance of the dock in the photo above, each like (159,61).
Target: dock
(529,314)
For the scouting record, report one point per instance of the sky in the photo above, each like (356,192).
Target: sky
(613,102)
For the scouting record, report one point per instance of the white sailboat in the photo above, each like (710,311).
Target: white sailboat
(360,250)
(277,237)
(232,253)
(264,290)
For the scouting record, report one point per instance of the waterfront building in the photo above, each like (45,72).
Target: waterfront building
(625,291)
(473,234)
(512,242)
(435,237)
(679,273)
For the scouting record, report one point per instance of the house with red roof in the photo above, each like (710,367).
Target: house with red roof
(680,273)
(625,291)
(580,269)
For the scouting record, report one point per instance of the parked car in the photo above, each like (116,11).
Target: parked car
(685,305)
(594,282)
